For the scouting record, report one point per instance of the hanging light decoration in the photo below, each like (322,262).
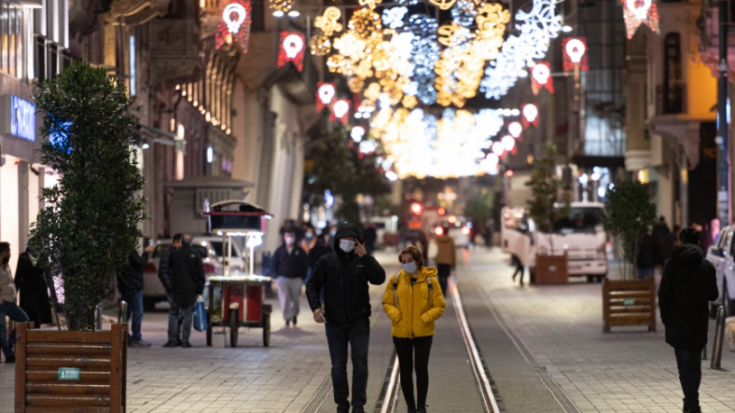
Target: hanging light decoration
(325,94)
(393,17)
(508,143)
(541,78)
(530,114)
(575,53)
(637,13)
(341,110)
(234,24)
(329,21)
(280,7)
(291,49)
(465,11)
(515,129)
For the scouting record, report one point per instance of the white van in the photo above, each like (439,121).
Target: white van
(721,256)
(580,235)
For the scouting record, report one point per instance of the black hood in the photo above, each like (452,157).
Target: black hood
(346,230)
(688,253)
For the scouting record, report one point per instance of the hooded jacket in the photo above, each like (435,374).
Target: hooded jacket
(130,277)
(186,271)
(345,278)
(688,284)
(414,314)
(446,251)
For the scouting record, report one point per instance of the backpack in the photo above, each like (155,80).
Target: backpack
(395,291)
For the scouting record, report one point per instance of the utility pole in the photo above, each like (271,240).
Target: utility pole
(723,169)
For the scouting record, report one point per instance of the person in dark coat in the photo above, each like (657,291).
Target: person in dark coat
(33,290)
(689,283)
(371,236)
(130,285)
(289,266)
(661,236)
(647,256)
(163,268)
(345,274)
(186,272)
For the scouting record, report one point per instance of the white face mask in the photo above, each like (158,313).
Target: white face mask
(410,267)
(346,245)
(289,240)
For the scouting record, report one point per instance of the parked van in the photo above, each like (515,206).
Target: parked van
(580,235)
(721,256)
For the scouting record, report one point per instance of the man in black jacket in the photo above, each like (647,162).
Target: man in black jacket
(186,272)
(130,285)
(289,265)
(689,283)
(345,274)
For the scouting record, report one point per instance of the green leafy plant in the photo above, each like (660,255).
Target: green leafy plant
(90,220)
(628,212)
(546,192)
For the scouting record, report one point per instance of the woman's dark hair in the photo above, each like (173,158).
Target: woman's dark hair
(415,253)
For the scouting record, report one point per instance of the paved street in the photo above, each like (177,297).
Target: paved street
(553,358)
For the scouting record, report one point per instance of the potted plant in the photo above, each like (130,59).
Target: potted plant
(83,236)
(546,194)
(629,212)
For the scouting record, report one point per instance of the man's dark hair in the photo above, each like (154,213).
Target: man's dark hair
(662,219)
(186,239)
(177,237)
(290,230)
(4,247)
(689,236)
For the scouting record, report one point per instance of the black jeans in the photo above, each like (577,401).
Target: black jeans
(444,270)
(409,349)
(689,362)
(357,335)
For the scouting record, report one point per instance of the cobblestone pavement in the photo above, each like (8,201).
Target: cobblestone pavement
(628,370)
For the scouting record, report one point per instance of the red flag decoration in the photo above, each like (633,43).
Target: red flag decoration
(575,53)
(234,24)
(291,49)
(541,78)
(325,94)
(638,12)
(530,114)
(341,110)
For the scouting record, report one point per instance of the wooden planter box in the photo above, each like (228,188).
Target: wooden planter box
(70,371)
(629,303)
(552,269)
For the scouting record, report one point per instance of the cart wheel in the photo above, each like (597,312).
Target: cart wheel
(266,330)
(209,330)
(234,326)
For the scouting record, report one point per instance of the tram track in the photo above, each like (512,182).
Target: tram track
(392,393)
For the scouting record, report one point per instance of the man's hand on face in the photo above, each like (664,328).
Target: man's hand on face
(360,249)
(150,248)
(319,316)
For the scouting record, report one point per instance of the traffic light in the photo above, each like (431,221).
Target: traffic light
(416,208)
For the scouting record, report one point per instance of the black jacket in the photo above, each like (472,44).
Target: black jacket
(130,277)
(647,252)
(163,270)
(689,283)
(287,265)
(33,291)
(317,252)
(186,272)
(345,278)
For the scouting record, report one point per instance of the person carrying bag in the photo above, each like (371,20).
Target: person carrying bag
(413,300)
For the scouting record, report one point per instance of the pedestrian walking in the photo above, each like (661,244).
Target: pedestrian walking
(290,266)
(648,251)
(423,242)
(130,285)
(371,236)
(345,274)
(519,267)
(689,283)
(32,291)
(446,258)
(661,236)
(413,301)
(8,305)
(489,232)
(186,272)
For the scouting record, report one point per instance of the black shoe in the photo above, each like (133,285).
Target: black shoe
(421,410)
(186,344)
(288,323)
(171,344)
(358,410)
(294,321)
(10,359)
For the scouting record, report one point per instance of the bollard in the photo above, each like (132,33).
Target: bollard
(122,312)
(98,315)
(719,337)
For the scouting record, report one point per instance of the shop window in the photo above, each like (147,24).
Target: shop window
(673,85)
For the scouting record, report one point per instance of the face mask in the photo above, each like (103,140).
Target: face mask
(410,267)
(332,233)
(289,240)
(346,245)
(309,235)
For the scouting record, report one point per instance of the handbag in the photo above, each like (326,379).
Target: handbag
(200,315)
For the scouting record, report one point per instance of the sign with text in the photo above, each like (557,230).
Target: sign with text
(68,374)
(18,117)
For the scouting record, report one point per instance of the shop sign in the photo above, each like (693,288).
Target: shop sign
(68,374)
(18,117)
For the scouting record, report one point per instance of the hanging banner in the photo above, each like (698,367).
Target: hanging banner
(234,24)
(291,49)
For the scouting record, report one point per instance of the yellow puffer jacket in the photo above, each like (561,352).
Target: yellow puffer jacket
(413,316)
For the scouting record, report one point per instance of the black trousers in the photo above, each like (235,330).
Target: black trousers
(408,350)
(444,270)
(357,336)
(689,362)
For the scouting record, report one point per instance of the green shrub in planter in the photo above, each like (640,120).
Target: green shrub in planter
(90,220)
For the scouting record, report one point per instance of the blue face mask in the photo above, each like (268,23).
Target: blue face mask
(410,267)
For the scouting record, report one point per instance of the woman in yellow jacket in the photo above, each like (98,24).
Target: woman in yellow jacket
(413,300)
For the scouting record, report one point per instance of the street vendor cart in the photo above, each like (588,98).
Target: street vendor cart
(236,301)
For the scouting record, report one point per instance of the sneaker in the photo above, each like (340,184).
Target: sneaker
(139,344)
(10,359)
(170,344)
(186,344)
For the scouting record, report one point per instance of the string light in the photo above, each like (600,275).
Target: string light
(464,12)
(515,129)
(329,21)
(393,17)
(280,7)
(320,45)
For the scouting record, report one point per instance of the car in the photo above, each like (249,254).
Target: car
(459,230)
(722,256)
(210,249)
